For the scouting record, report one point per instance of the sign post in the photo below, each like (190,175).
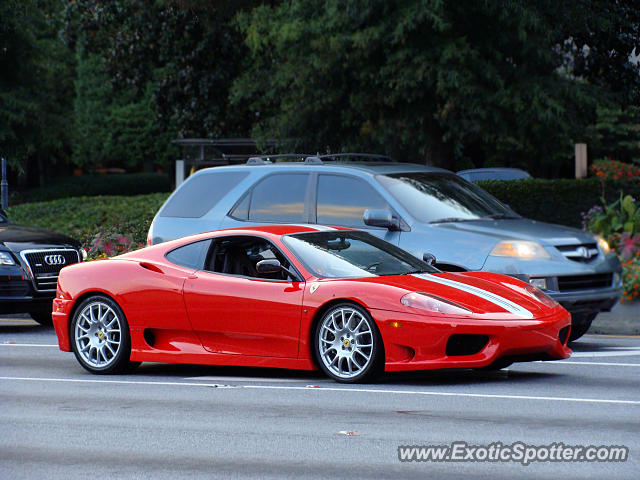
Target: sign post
(4,186)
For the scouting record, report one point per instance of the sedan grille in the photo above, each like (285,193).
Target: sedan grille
(46,264)
(584,253)
(583,282)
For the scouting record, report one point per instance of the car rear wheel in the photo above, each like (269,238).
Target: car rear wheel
(348,345)
(100,336)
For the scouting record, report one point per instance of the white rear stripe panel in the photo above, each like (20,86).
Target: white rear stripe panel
(502,302)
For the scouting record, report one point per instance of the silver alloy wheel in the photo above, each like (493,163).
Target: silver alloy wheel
(345,342)
(98,334)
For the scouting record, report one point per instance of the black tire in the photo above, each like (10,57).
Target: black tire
(42,316)
(100,336)
(580,324)
(354,344)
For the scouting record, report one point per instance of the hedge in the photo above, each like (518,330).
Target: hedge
(561,200)
(93,185)
(85,217)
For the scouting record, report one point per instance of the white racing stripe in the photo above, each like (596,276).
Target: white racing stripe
(316,388)
(502,302)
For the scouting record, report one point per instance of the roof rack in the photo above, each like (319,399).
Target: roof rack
(318,159)
(266,159)
(344,157)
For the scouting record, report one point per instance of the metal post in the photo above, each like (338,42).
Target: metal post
(581,160)
(4,185)
(179,172)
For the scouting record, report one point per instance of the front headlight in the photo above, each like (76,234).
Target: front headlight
(5,259)
(603,244)
(540,296)
(433,303)
(522,249)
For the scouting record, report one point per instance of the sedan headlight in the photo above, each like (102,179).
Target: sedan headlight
(433,303)
(522,249)
(603,244)
(5,259)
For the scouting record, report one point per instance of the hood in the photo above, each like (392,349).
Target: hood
(486,295)
(523,229)
(17,238)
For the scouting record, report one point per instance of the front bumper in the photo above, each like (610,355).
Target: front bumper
(17,295)
(421,343)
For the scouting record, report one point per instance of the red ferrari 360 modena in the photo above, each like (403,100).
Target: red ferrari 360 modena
(301,297)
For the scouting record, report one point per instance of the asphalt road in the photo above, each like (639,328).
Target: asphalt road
(166,421)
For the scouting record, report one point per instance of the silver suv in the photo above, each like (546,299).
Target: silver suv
(430,212)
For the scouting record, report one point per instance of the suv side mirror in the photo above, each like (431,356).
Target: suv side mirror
(380,218)
(268,266)
(430,258)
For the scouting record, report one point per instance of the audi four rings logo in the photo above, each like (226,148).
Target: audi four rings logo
(55,260)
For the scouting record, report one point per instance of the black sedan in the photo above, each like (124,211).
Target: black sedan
(30,259)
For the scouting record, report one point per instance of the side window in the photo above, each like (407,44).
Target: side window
(279,198)
(239,255)
(191,255)
(201,193)
(343,200)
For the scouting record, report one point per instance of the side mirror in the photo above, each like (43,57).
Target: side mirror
(268,266)
(380,218)
(430,258)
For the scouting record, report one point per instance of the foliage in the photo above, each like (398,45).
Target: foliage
(115,127)
(512,82)
(616,133)
(538,198)
(111,244)
(181,57)
(36,87)
(619,223)
(631,278)
(84,218)
(614,169)
(93,185)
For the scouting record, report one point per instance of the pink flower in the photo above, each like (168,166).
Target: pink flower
(108,248)
(629,245)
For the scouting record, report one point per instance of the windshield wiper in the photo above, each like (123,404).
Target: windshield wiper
(502,216)
(452,219)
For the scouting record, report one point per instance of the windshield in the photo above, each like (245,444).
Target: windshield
(438,197)
(352,254)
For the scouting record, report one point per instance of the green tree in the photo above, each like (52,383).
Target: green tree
(445,83)
(36,87)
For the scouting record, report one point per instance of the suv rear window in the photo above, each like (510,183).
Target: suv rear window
(201,193)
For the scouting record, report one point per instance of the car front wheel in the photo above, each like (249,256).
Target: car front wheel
(348,345)
(100,336)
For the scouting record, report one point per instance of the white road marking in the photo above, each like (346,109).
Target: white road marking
(332,389)
(599,364)
(614,352)
(27,345)
(247,379)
